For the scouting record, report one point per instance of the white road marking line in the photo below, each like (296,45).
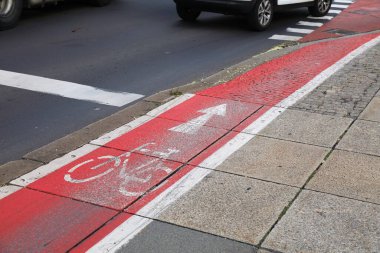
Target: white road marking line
(142,120)
(66,89)
(324,17)
(8,190)
(343,1)
(172,103)
(193,125)
(334,11)
(339,6)
(285,37)
(307,23)
(124,233)
(297,30)
(58,163)
(44,170)
(102,140)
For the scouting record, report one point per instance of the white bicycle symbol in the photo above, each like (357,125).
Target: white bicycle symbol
(120,163)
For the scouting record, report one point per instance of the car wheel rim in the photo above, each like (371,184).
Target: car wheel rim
(5,7)
(323,5)
(265,12)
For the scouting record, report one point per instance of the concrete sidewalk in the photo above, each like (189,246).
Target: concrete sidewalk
(309,182)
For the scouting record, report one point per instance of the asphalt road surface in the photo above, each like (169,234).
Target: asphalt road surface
(137,46)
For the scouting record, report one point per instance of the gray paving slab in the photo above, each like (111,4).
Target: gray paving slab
(349,90)
(231,206)
(275,160)
(15,169)
(306,127)
(378,94)
(318,222)
(349,174)
(372,112)
(160,237)
(363,137)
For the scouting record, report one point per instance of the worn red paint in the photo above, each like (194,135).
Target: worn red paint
(33,221)
(361,16)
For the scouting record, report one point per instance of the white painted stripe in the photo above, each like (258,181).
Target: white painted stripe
(8,190)
(307,23)
(44,170)
(298,30)
(66,89)
(169,105)
(117,238)
(285,37)
(339,6)
(343,1)
(73,155)
(102,140)
(129,229)
(334,11)
(324,17)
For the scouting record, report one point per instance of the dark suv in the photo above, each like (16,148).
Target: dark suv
(259,13)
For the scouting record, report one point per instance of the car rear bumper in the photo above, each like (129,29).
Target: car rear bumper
(221,6)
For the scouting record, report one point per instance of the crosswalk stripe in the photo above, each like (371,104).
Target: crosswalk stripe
(324,17)
(66,89)
(343,1)
(285,37)
(339,6)
(307,23)
(335,11)
(297,30)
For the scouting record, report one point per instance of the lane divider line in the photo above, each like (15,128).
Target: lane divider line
(66,89)
(131,227)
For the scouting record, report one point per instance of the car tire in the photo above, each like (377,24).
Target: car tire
(100,3)
(186,13)
(261,16)
(320,8)
(10,12)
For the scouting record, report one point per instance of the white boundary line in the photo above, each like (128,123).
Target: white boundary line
(66,89)
(102,140)
(58,163)
(130,228)
(8,190)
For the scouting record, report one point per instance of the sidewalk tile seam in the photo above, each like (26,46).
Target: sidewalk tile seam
(271,250)
(293,141)
(70,198)
(94,231)
(250,177)
(340,196)
(356,152)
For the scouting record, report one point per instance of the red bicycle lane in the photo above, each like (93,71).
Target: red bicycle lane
(108,179)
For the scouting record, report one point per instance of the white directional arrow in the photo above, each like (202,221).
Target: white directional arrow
(192,126)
